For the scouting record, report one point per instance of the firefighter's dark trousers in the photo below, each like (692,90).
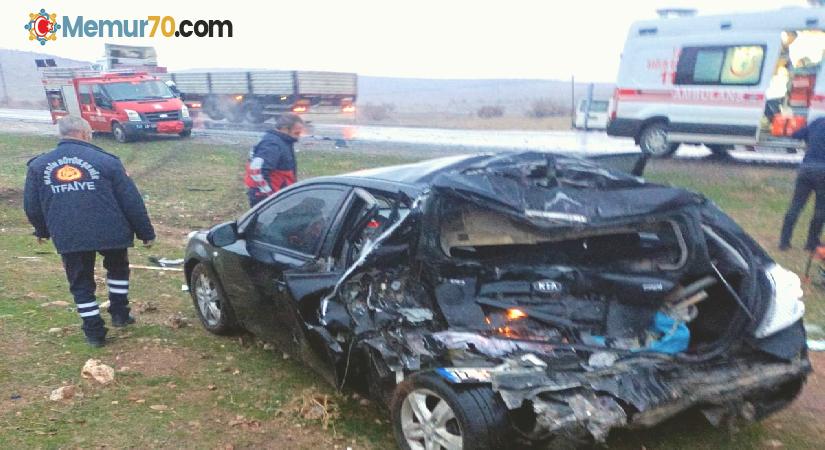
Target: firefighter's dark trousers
(810,179)
(80,271)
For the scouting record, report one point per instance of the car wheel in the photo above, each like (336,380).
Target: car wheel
(119,133)
(653,140)
(429,413)
(185,133)
(213,309)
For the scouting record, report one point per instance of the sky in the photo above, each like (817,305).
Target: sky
(540,39)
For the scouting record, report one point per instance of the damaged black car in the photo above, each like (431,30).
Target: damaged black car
(511,298)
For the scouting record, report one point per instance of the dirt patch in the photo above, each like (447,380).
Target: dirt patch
(153,359)
(812,399)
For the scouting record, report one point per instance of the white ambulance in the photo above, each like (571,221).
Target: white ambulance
(739,79)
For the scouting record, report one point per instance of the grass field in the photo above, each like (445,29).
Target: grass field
(181,387)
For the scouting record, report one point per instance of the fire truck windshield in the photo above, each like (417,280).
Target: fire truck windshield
(137,90)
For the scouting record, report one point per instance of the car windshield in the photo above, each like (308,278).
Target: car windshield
(137,90)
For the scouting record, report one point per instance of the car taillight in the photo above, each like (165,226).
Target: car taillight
(299,109)
(348,108)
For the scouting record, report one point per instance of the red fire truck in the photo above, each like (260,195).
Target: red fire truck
(126,104)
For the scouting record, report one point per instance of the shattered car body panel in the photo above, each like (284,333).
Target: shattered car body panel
(583,295)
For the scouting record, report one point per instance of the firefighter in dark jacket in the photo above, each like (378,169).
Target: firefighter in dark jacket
(81,197)
(271,165)
(809,179)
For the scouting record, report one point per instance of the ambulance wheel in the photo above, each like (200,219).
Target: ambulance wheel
(719,151)
(653,140)
(119,133)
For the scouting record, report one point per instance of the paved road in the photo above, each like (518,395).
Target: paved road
(456,140)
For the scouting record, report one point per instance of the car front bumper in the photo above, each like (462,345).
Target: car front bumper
(164,127)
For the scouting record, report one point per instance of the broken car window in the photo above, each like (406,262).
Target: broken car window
(298,222)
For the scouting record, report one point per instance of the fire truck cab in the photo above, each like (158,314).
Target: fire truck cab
(746,79)
(126,104)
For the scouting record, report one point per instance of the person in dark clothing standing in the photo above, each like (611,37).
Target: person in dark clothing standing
(811,178)
(271,165)
(82,198)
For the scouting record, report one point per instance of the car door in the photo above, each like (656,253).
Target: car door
(286,235)
(100,112)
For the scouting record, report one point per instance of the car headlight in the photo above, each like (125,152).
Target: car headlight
(132,115)
(786,306)
(184,112)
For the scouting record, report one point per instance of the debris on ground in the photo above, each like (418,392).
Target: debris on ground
(55,330)
(246,424)
(105,304)
(57,303)
(774,443)
(160,408)
(145,307)
(166,269)
(314,406)
(63,393)
(165,262)
(98,371)
(177,321)
(184,288)
(15,397)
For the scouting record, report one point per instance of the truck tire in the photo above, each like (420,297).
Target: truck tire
(119,133)
(427,410)
(212,108)
(235,114)
(720,151)
(253,111)
(653,141)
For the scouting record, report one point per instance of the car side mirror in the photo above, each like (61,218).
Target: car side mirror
(223,234)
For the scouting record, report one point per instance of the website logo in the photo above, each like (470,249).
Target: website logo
(42,27)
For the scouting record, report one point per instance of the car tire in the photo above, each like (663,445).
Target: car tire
(214,310)
(185,133)
(119,133)
(653,141)
(474,417)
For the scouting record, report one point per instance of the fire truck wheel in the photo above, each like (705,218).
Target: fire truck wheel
(120,133)
(653,140)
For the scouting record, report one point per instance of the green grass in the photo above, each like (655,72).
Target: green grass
(208,381)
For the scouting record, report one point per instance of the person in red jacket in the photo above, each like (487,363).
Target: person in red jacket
(271,165)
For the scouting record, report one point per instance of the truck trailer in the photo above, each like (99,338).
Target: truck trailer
(255,96)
